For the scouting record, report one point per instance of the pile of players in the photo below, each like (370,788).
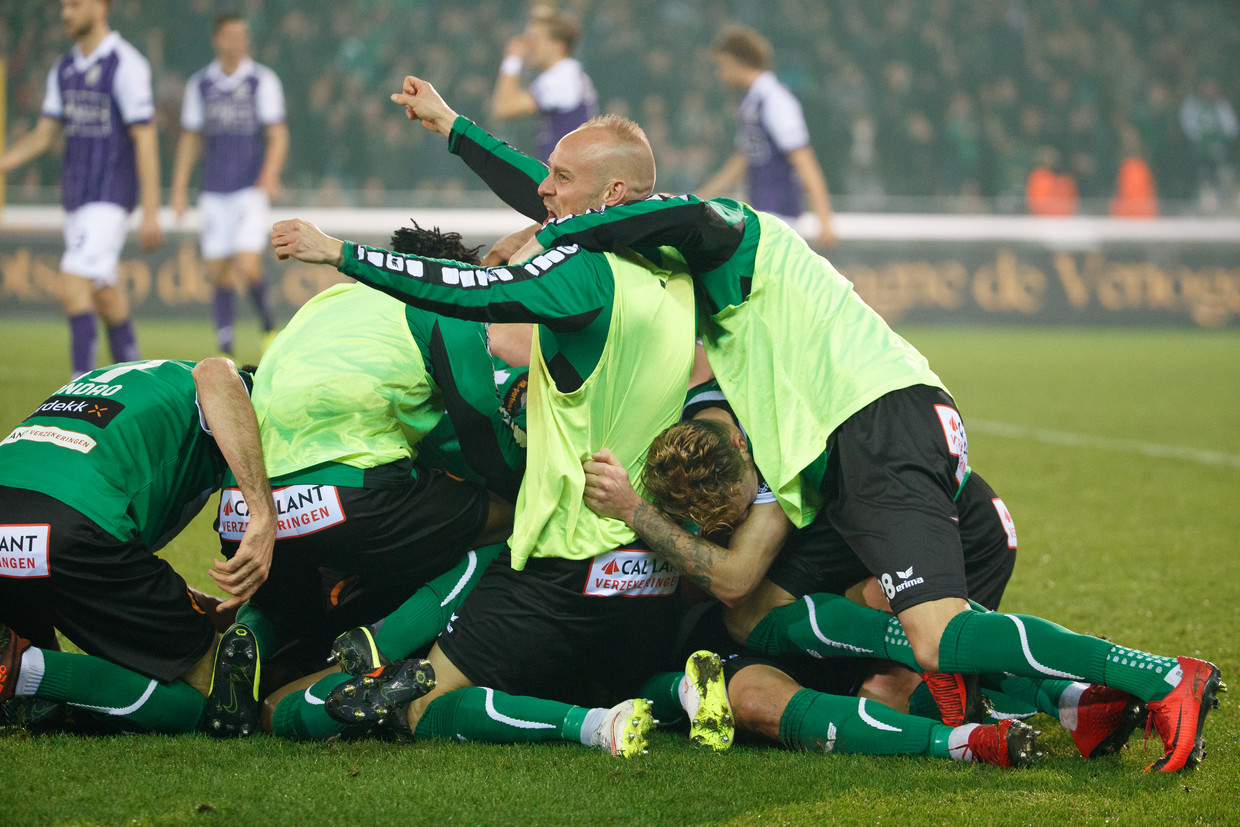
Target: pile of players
(797,549)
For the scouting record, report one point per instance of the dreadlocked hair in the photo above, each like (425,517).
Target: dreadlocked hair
(693,472)
(416,241)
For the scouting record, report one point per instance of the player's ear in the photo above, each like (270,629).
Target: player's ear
(616,192)
(738,441)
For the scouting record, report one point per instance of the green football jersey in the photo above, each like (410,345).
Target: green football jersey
(126,445)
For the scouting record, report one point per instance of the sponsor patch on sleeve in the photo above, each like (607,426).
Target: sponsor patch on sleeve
(23,550)
(629,573)
(957,441)
(1009,525)
(300,510)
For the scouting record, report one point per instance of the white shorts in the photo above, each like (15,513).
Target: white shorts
(234,222)
(94,237)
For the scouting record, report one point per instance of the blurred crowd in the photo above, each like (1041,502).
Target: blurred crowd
(975,104)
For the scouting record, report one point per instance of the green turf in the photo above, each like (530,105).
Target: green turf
(1139,548)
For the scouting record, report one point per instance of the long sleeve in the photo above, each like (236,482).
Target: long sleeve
(707,233)
(462,368)
(567,292)
(510,173)
(718,239)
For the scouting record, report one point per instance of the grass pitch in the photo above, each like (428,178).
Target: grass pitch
(1118,452)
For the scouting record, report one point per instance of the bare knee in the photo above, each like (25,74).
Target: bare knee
(924,625)
(249,269)
(268,710)
(75,294)
(890,684)
(447,679)
(758,695)
(112,304)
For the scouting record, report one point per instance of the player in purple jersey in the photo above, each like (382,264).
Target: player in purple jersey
(99,98)
(234,110)
(773,151)
(562,94)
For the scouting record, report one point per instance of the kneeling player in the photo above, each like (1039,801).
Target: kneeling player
(103,474)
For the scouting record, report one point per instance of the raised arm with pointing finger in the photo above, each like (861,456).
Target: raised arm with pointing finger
(576,298)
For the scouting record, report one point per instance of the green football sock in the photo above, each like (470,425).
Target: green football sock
(835,723)
(1004,706)
(302,715)
(481,714)
(424,615)
(922,704)
(832,626)
(1041,694)
(974,642)
(663,691)
(269,635)
(113,691)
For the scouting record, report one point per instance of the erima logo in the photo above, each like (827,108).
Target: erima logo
(97,412)
(907,580)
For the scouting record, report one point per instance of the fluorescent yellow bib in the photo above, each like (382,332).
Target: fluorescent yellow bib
(798,357)
(635,391)
(344,382)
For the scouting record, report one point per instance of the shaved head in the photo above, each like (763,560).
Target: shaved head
(619,150)
(604,162)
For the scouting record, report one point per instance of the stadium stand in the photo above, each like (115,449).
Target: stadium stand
(914,106)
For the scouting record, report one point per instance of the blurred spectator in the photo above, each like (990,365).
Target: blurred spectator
(994,79)
(962,149)
(1050,190)
(1091,149)
(1136,195)
(562,94)
(1158,122)
(773,152)
(861,175)
(1210,124)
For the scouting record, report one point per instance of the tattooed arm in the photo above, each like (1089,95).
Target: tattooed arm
(729,573)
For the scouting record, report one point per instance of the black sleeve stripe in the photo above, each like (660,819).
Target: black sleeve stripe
(474,429)
(702,235)
(514,187)
(563,374)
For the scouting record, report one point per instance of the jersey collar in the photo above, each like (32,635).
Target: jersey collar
(106,47)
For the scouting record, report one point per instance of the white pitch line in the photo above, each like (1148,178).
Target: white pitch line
(1126,446)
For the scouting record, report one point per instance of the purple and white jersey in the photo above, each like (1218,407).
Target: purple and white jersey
(98,98)
(566,99)
(771,124)
(232,113)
